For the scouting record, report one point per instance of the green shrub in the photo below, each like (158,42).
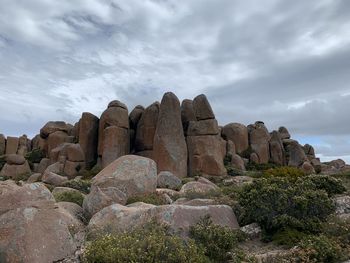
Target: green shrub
(89,174)
(246,153)
(216,240)
(339,229)
(320,249)
(206,195)
(35,156)
(279,203)
(78,184)
(149,244)
(260,166)
(288,237)
(284,171)
(151,198)
(324,182)
(69,196)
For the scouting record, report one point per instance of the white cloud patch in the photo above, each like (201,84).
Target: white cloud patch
(284,62)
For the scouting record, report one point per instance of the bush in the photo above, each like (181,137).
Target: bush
(284,171)
(35,156)
(69,196)
(260,166)
(279,203)
(89,174)
(151,198)
(149,244)
(288,237)
(216,240)
(80,185)
(324,182)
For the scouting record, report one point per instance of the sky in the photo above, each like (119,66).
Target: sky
(278,61)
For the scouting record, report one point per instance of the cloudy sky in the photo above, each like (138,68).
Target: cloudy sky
(280,61)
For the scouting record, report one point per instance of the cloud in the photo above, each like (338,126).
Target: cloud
(283,62)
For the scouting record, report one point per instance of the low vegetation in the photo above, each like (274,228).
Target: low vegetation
(69,196)
(151,198)
(79,184)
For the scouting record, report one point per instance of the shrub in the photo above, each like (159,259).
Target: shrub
(320,249)
(69,196)
(149,244)
(284,171)
(331,185)
(216,240)
(288,237)
(89,174)
(279,203)
(80,185)
(206,195)
(339,229)
(35,156)
(260,166)
(151,198)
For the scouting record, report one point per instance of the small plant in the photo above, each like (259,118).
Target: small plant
(288,237)
(35,156)
(284,171)
(69,196)
(324,182)
(80,185)
(260,166)
(89,174)
(216,240)
(151,198)
(149,244)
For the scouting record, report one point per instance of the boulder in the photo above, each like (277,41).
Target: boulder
(55,139)
(201,186)
(15,159)
(187,113)
(75,153)
(309,151)
(254,158)
(2,144)
(204,127)
(117,104)
(40,143)
(277,153)
(115,115)
(53,179)
(16,171)
(44,163)
(202,108)
(194,202)
(24,145)
(230,148)
(135,116)
(307,168)
(295,153)
(259,138)
(71,169)
(179,218)
(60,190)
(131,174)
(88,137)
(73,209)
(54,126)
(284,133)
(206,155)
(173,194)
(237,162)
(99,198)
(338,164)
(238,134)
(34,178)
(27,212)
(166,179)
(12,145)
(115,144)
(55,168)
(169,147)
(146,128)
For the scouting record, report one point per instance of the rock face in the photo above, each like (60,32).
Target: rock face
(15,159)
(16,171)
(2,144)
(169,147)
(295,153)
(88,137)
(187,113)
(53,126)
(117,218)
(135,116)
(131,174)
(11,145)
(238,134)
(237,162)
(202,108)
(24,145)
(146,128)
(55,139)
(277,153)
(259,138)
(284,133)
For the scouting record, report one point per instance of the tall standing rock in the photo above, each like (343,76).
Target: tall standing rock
(169,148)
(2,144)
(11,145)
(24,145)
(284,133)
(238,134)
(295,153)
(116,115)
(187,113)
(206,148)
(146,129)
(134,118)
(259,138)
(277,153)
(88,137)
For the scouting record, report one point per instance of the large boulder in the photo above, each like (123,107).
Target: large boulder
(11,145)
(75,153)
(259,138)
(53,126)
(202,108)
(29,212)
(24,145)
(135,116)
(201,186)
(169,147)
(179,218)
(237,162)
(15,159)
(131,174)
(309,151)
(238,134)
(53,178)
(115,115)
(146,128)
(16,171)
(116,143)
(295,153)
(2,144)
(55,139)
(99,198)
(204,127)
(277,153)
(206,155)
(187,113)
(284,133)
(88,137)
